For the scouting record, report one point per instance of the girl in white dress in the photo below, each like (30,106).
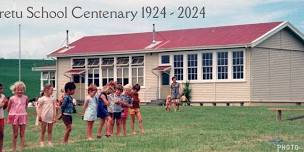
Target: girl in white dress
(46,114)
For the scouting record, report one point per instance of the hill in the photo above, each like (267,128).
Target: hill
(9,74)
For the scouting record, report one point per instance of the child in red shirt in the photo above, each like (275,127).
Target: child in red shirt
(135,109)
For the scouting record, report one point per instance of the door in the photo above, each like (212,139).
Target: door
(79,81)
(165,85)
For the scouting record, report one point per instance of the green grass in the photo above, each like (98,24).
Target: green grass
(197,129)
(9,74)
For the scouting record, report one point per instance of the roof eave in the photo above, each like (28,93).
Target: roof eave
(157,50)
(273,31)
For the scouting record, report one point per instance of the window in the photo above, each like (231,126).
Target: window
(138,70)
(165,59)
(192,66)
(107,62)
(93,77)
(178,66)
(107,70)
(165,78)
(123,75)
(78,63)
(107,75)
(93,62)
(137,60)
(138,75)
(207,66)
(122,61)
(78,78)
(238,64)
(222,65)
(48,78)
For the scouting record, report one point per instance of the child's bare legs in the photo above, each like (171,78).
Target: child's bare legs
(50,130)
(1,134)
(99,131)
(89,129)
(111,124)
(118,127)
(132,123)
(43,128)
(124,128)
(15,136)
(108,126)
(22,136)
(177,104)
(68,129)
(140,123)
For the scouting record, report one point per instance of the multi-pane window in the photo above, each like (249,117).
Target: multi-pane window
(123,75)
(78,63)
(93,77)
(107,75)
(178,66)
(207,66)
(94,62)
(222,65)
(165,59)
(192,66)
(48,78)
(107,70)
(238,64)
(122,70)
(138,70)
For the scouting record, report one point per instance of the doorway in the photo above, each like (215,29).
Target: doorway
(165,84)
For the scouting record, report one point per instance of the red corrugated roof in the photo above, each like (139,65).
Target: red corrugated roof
(204,37)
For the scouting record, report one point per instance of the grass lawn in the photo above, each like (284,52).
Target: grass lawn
(193,129)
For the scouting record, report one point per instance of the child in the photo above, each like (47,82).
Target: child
(175,90)
(135,111)
(110,107)
(67,109)
(127,103)
(46,113)
(90,110)
(17,112)
(168,103)
(117,108)
(3,105)
(102,112)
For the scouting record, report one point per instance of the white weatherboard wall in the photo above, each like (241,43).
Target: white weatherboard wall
(224,91)
(277,69)
(63,65)
(149,91)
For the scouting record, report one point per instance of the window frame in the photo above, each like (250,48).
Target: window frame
(207,66)
(241,72)
(93,78)
(226,72)
(199,52)
(48,79)
(192,67)
(179,67)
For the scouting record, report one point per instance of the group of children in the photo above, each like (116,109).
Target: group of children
(112,106)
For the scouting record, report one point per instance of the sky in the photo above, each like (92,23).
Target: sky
(40,37)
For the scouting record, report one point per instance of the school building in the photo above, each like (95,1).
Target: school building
(251,63)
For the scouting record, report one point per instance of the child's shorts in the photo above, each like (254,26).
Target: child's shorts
(17,119)
(124,114)
(117,115)
(2,122)
(134,111)
(67,119)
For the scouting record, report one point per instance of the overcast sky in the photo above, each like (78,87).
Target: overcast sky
(42,36)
